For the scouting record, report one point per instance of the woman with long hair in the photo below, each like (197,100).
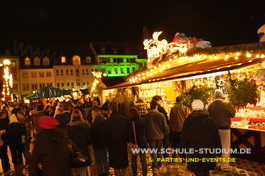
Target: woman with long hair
(78,131)
(136,122)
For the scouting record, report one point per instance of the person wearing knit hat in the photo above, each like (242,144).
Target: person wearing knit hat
(50,146)
(199,131)
(197,105)
(222,111)
(48,122)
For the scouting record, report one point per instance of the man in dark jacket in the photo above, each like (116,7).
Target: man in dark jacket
(117,129)
(222,111)
(4,121)
(99,141)
(199,133)
(156,128)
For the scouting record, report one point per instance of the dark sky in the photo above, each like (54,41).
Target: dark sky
(50,23)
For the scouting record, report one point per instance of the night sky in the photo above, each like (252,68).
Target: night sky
(56,23)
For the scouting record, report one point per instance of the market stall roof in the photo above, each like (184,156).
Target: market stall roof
(219,59)
(48,92)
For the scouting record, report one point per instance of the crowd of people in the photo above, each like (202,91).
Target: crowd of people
(45,139)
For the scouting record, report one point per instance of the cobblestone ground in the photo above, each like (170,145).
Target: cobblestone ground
(241,167)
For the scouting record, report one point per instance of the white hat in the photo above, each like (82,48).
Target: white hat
(197,105)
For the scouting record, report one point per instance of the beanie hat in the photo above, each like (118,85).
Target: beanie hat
(48,122)
(13,118)
(197,105)
(218,94)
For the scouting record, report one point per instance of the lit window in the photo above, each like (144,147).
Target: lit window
(76,60)
(46,61)
(27,61)
(63,59)
(36,61)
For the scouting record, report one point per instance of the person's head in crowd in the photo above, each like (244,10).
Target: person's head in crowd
(218,94)
(96,112)
(178,99)
(94,103)
(20,115)
(157,98)
(134,114)
(40,107)
(48,122)
(76,115)
(153,105)
(197,105)
(113,107)
(13,118)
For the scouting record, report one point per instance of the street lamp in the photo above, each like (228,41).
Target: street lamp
(8,80)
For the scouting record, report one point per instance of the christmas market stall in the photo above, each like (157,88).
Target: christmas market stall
(191,68)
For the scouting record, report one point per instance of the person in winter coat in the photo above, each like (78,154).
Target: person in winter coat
(156,129)
(222,111)
(50,150)
(200,132)
(99,141)
(14,140)
(178,114)
(117,127)
(24,121)
(62,117)
(137,123)
(79,132)
(4,122)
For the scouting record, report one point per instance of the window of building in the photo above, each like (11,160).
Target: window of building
(27,61)
(67,72)
(115,70)
(72,84)
(46,61)
(68,84)
(87,72)
(34,86)
(25,87)
(49,84)
(76,60)
(63,59)
(71,71)
(122,70)
(13,64)
(62,84)
(48,74)
(36,61)
(77,72)
(88,59)
(83,71)
(34,74)
(41,74)
(61,72)
(42,85)
(128,70)
(25,74)
(15,86)
(57,72)
(109,71)
(84,83)
(58,84)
